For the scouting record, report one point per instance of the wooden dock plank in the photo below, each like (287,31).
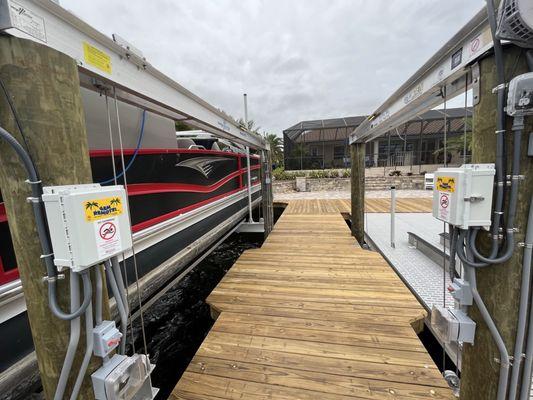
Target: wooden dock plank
(372,205)
(311,315)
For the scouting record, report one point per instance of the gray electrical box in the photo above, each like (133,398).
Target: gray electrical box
(106,337)
(452,325)
(124,378)
(88,223)
(520,95)
(461,292)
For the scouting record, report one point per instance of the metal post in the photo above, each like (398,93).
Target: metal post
(245,97)
(392,216)
(249,184)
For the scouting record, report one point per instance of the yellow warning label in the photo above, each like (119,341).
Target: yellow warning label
(102,208)
(96,57)
(446,184)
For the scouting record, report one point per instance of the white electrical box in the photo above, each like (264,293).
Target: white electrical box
(463,196)
(452,325)
(88,223)
(124,378)
(106,337)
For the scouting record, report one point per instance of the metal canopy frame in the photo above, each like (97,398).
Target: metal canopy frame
(447,71)
(116,64)
(333,124)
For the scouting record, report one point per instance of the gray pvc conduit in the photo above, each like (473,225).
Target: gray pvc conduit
(518,126)
(524,303)
(42,231)
(124,298)
(504,355)
(74,337)
(98,301)
(501,163)
(453,251)
(120,305)
(528,361)
(88,352)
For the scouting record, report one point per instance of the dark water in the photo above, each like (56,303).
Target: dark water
(178,322)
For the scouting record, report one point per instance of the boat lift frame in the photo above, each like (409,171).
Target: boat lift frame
(103,61)
(113,65)
(449,71)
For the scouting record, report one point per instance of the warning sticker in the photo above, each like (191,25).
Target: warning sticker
(444,202)
(107,236)
(446,184)
(96,57)
(98,209)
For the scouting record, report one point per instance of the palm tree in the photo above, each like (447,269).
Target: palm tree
(90,205)
(276,148)
(249,126)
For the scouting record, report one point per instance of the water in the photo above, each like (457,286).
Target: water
(179,321)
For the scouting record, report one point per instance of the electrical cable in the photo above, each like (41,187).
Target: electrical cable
(42,232)
(135,267)
(73,339)
(89,343)
(99,291)
(120,306)
(122,292)
(501,162)
(112,147)
(525,287)
(15,116)
(518,126)
(136,151)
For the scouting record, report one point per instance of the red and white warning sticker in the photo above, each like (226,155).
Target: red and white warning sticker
(107,236)
(444,203)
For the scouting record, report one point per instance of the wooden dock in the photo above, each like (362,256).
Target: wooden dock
(311,315)
(336,206)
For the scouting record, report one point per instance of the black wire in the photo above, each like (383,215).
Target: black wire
(16,117)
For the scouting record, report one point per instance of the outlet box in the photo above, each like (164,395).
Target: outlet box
(88,223)
(463,196)
(452,325)
(106,337)
(124,378)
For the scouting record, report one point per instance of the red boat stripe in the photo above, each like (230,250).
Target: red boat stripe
(150,222)
(137,189)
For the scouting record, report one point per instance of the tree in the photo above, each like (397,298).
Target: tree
(250,126)
(276,147)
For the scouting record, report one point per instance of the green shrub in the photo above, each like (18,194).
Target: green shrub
(281,175)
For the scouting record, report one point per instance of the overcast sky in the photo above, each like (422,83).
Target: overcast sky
(296,59)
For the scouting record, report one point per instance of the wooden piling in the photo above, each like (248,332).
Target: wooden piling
(44,87)
(498,285)
(357,153)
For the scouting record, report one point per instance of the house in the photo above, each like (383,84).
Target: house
(323,144)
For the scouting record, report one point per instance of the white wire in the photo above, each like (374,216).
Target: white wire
(115,181)
(124,177)
(444,225)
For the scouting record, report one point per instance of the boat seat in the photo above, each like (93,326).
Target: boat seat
(185,143)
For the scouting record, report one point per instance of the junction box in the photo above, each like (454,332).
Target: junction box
(463,196)
(452,325)
(124,378)
(88,224)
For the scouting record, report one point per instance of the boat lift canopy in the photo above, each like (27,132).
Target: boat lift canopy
(446,72)
(105,63)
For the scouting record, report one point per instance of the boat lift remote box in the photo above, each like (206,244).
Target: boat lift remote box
(463,196)
(88,224)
